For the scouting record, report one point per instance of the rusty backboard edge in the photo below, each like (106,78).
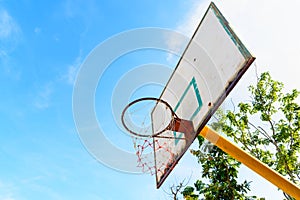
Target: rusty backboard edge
(226,92)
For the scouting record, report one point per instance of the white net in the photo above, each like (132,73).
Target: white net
(145,148)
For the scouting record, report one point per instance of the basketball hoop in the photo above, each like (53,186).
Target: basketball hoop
(137,119)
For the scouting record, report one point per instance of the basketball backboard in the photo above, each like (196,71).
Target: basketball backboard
(211,65)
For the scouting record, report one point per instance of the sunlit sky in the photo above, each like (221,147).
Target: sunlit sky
(42,46)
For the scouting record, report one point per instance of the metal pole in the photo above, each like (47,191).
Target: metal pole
(251,162)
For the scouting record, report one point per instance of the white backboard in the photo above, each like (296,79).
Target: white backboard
(213,62)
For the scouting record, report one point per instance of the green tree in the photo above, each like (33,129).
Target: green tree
(267,127)
(221,171)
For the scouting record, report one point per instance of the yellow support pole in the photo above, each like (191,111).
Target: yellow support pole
(251,162)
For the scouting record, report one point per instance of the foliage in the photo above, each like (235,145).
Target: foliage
(188,193)
(222,171)
(275,141)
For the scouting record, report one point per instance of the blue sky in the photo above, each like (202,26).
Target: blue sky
(43,44)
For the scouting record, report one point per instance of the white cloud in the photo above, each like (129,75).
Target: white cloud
(7,197)
(190,22)
(37,30)
(72,70)
(9,29)
(187,27)
(7,191)
(8,26)
(42,100)
(10,35)
(78,8)
(3,54)
(71,74)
